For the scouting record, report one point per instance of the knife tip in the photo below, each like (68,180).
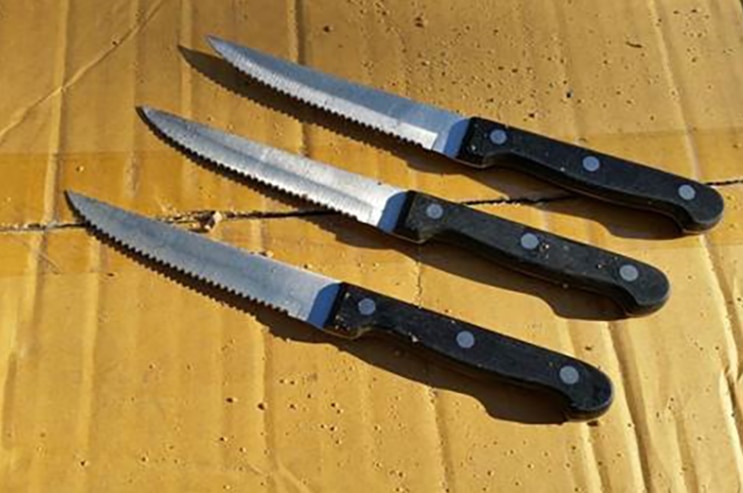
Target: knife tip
(215,42)
(155,117)
(72,196)
(78,201)
(146,111)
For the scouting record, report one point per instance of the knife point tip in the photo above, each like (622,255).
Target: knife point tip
(214,41)
(146,110)
(76,195)
(75,199)
(152,115)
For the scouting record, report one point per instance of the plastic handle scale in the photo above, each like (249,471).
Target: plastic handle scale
(586,391)
(694,206)
(637,287)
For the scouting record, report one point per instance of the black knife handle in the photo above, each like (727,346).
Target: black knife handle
(693,205)
(637,287)
(586,391)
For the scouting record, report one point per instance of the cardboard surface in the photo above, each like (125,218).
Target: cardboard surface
(118,377)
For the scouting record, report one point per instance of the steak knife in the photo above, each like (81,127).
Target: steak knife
(481,143)
(351,311)
(637,287)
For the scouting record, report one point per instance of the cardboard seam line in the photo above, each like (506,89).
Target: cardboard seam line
(20,116)
(202,216)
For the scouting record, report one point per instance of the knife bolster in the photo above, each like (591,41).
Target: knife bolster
(484,142)
(422,218)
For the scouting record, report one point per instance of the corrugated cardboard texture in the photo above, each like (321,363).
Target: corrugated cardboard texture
(118,377)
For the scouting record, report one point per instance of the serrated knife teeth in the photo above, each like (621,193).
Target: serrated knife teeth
(299,293)
(425,125)
(356,196)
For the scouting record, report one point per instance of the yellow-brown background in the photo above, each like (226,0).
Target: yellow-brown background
(118,378)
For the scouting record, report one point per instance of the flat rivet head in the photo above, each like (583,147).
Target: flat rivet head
(529,241)
(367,306)
(687,192)
(498,137)
(569,375)
(591,163)
(629,272)
(434,211)
(465,339)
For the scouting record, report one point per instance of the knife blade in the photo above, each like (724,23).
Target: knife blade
(637,287)
(483,143)
(350,311)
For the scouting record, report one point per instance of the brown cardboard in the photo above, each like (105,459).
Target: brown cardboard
(117,377)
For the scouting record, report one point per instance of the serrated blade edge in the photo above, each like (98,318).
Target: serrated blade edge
(299,293)
(428,126)
(362,198)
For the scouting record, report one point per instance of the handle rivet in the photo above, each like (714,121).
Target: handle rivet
(629,272)
(498,137)
(591,163)
(569,375)
(529,241)
(434,211)
(687,192)
(367,306)
(465,339)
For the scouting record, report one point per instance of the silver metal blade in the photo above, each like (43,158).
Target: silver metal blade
(362,198)
(300,294)
(433,128)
